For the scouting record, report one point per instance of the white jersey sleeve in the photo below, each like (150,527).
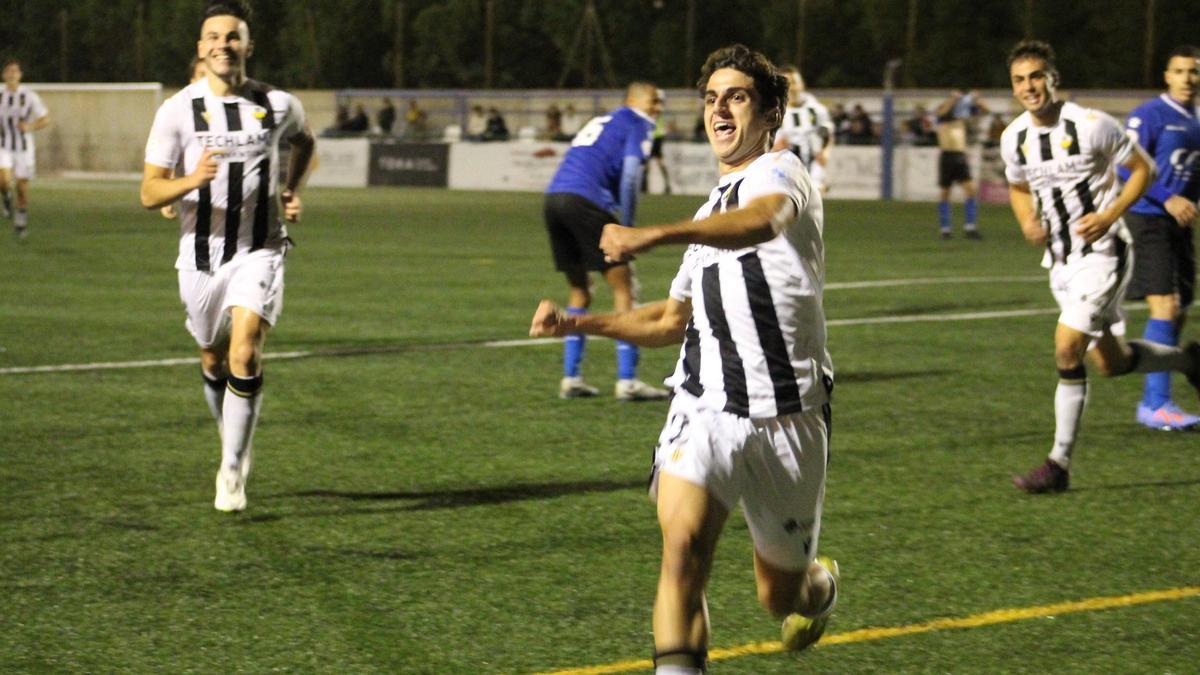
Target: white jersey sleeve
(681,285)
(37,109)
(165,146)
(1014,170)
(1109,138)
(784,175)
(293,121)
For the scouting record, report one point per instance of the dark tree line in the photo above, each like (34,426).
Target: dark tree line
(540,43)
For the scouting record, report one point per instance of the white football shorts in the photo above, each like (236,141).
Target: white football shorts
(252,280)
(1089,291)
(21,162)
(774,467)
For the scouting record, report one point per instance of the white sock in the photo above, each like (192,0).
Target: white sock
(1070,398)
(21,218)
(1153,357)
(677,670)
(239,414)
(214,394)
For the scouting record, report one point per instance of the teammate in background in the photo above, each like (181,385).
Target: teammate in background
(1161,223)
(599,177)
(227,129)
(749,419)
(21,114)
(952,117)
(1060,161)
(658,138)
(196,72)
(807,129)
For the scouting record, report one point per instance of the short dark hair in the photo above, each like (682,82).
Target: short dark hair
(236,8)
(1032,49)
(771,85)
(11,61)
(1186,51)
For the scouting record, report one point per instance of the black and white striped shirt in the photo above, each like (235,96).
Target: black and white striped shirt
(22,105)
(237,212)
(755,345)
(1071,170)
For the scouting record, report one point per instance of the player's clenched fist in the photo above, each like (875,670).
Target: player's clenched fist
(206,167)
(291,206)
(550,321)
(619,243)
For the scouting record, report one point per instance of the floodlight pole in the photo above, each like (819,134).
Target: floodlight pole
(887,136)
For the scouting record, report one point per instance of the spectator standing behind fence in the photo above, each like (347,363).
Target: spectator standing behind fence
(386,117)
(359,123)
(476,123)
(919,127)
(496,129)
(570,121)
(953,116)
(859,130)
(416,120)
(553,122)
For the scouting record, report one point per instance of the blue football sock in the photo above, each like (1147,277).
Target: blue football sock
(972,212)
(627,360)
(1158,385)
(573,345)
(944,216)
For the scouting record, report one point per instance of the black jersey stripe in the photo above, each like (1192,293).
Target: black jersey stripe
(1073,133)
(3,136)
(716,207)
(1044,144)
(732,202)
(1021,136)
(691,360)
(1064,221)
(262,209)
(233,209)
(770,336)
(21,115)
(737,398)
(204,205)
(1086,201)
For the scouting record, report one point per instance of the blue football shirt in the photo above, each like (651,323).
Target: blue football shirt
(1170,133)
(594,164)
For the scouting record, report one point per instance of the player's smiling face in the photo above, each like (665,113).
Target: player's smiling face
(224,46)
(1031,84)
(737,127)
(1182,77)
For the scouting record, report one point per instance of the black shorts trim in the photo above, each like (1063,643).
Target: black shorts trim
(953,168)
(1165,258)
(574,225)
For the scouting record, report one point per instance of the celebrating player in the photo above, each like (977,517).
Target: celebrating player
(226,129)
(601,174)
(1161,223)
(749,420)
(1061,161)
(952,117)
(807,129)
(21,114)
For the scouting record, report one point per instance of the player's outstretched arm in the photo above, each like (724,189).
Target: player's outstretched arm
(160,187)
(756,222)
(1025,210)
(657,324)
(1092,226)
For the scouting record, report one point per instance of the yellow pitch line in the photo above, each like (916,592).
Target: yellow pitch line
(867,634)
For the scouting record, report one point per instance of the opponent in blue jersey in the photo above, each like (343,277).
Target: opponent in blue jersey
(1161,223)
(597,184)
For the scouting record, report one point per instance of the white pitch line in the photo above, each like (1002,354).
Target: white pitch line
(928,281)
(505,344)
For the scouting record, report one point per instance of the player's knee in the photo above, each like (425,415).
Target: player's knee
(684,556)
(1067,357)
(244,359)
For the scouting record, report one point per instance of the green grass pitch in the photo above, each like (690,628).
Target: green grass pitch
(425,504)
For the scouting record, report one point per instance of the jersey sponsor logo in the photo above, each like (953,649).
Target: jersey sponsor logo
(1175,127)
(238,145)
(1055,167)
